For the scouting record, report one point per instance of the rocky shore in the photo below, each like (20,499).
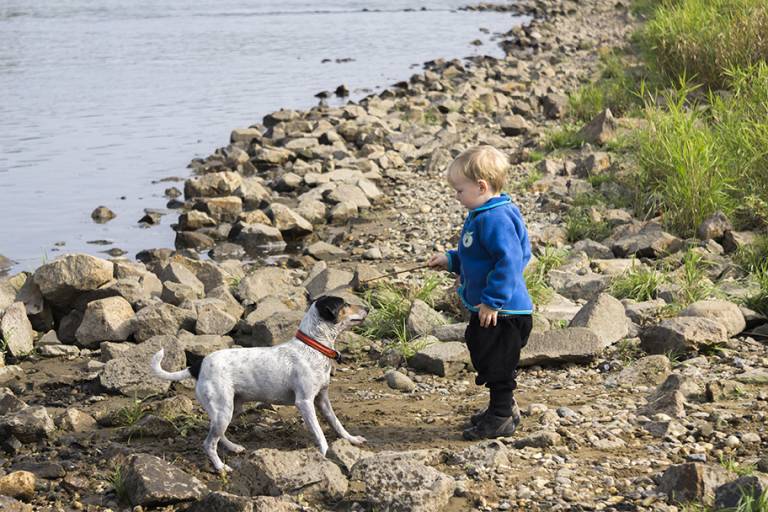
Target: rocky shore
(644,404)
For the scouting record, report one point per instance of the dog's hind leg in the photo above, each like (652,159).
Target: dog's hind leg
(219,407)
(325,407)
(307,409)
(229,445)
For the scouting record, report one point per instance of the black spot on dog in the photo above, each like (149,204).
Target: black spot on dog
(195,362)
(328,307)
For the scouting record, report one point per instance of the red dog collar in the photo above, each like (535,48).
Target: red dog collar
(323,349)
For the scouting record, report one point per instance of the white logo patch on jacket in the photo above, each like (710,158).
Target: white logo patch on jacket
(467,240)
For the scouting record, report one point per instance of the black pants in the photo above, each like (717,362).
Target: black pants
(495,350)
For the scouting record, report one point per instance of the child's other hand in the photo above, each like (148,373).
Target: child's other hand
(438,261)
(487,316)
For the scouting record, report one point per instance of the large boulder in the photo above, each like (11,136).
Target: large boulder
(722,311)
(212,318)
(129,372)
(692,482)
(274,329)
(275,472)
(651,241)
(402,484)
(110,319)
(16,330)
(573,344)
(62,280)
(327,280)
(290,223)
(604,316)
(152,482)
(445,359)
(160,319)
(682,335)
(270,281)
(258,238)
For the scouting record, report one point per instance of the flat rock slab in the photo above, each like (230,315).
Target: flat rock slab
(682,335)
(445,359)
(722,311)
(276,472)
(450,332)
(402,485)
(573,344)
(225,502)
(151,481)
(130,374)
(649,370)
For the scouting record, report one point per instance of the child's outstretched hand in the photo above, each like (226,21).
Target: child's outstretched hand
(438,261)
(487,316)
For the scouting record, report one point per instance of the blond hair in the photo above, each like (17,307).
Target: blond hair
(481,163)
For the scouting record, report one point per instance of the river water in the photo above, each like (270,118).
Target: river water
(100,100)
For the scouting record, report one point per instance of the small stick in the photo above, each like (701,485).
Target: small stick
(395,273)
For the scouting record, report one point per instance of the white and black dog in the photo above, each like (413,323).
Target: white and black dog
(296,372)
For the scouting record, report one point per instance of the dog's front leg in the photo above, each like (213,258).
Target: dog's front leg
(325,406)
(307,409)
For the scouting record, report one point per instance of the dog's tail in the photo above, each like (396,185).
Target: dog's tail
(162,374)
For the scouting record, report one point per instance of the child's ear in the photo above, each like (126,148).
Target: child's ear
(484,187)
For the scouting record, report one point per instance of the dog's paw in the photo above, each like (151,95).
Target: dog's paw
(236,448)
(357,440)
(223,470)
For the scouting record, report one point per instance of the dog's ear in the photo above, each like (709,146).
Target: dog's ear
(328,307)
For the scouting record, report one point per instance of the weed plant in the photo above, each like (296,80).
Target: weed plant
(638,283)
(616,89)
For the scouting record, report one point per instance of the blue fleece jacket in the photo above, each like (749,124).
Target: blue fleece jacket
(493,251)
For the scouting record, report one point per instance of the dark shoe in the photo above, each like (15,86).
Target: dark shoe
(491,426)
(478,417)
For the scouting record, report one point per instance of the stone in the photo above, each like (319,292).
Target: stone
(572,344)
(671,403)
(734,240)
(151,482)
(646,371)
(342,212)
(266,282)
(29,425)
(226,301)
(758,376)
(327,280)
(288,222)
(102,214)
(604,316)
(325,251)
(665,429)
(714,227)
(450,332)
(692,482)
(75,420)
(259,238)
(110,319)
(10,373)
(18,484)
(512,126)
(651,241)
(576,286)
(728,496)
(8,504)
(599,130)
(215,184)
(16,330)
(643,312)
(62,280)
(422,319)
(274,472)
(347,194)
(273,330)
(595,250)
(489,454)
(224,502)
(444,359)
(162,319)
(9,403)
(345,454)
(555,105)
(681,335)
(399,381)
(130,373)
(726,313)
(541,439)
(212,318)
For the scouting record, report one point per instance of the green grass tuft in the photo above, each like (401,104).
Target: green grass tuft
(638,283)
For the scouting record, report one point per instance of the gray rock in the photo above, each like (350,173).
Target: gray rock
(290,223)
(714,227)
(327,280)
(162,319)
(422,319)
(228,302)
(274,472)
(130,374)
(604,316)
(273,330)
(347,194)
(58,351)
(650,242)
(541,439)
(646,371)
(16,330)
(445,359)
(325,251)
(266,282)
(490,454)
(681,335)
(150,482)
(215,184)
(9,373)
(177,272)
(110,319)
(9,403)
(259,238)
(8,504)
(28,425)
(450,332)
(734,240)
(595,250)
(224,502)
(342,212)
(573,344)
(643,312)
(600,130)
(62,280)
(728,496)
(726,313)
(576,286)
(514,125)
(212,318)
(758,376)
(399,381)
(402,485)
(665,429)
(345,454)
(671,403)
(75,420)
(692,482)
(555,105)
(220,209)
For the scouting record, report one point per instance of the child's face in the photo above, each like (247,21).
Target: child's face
(471,194)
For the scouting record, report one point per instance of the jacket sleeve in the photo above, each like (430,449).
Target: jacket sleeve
(499,237)
(454,263)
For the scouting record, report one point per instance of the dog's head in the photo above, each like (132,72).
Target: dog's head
(339,312)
